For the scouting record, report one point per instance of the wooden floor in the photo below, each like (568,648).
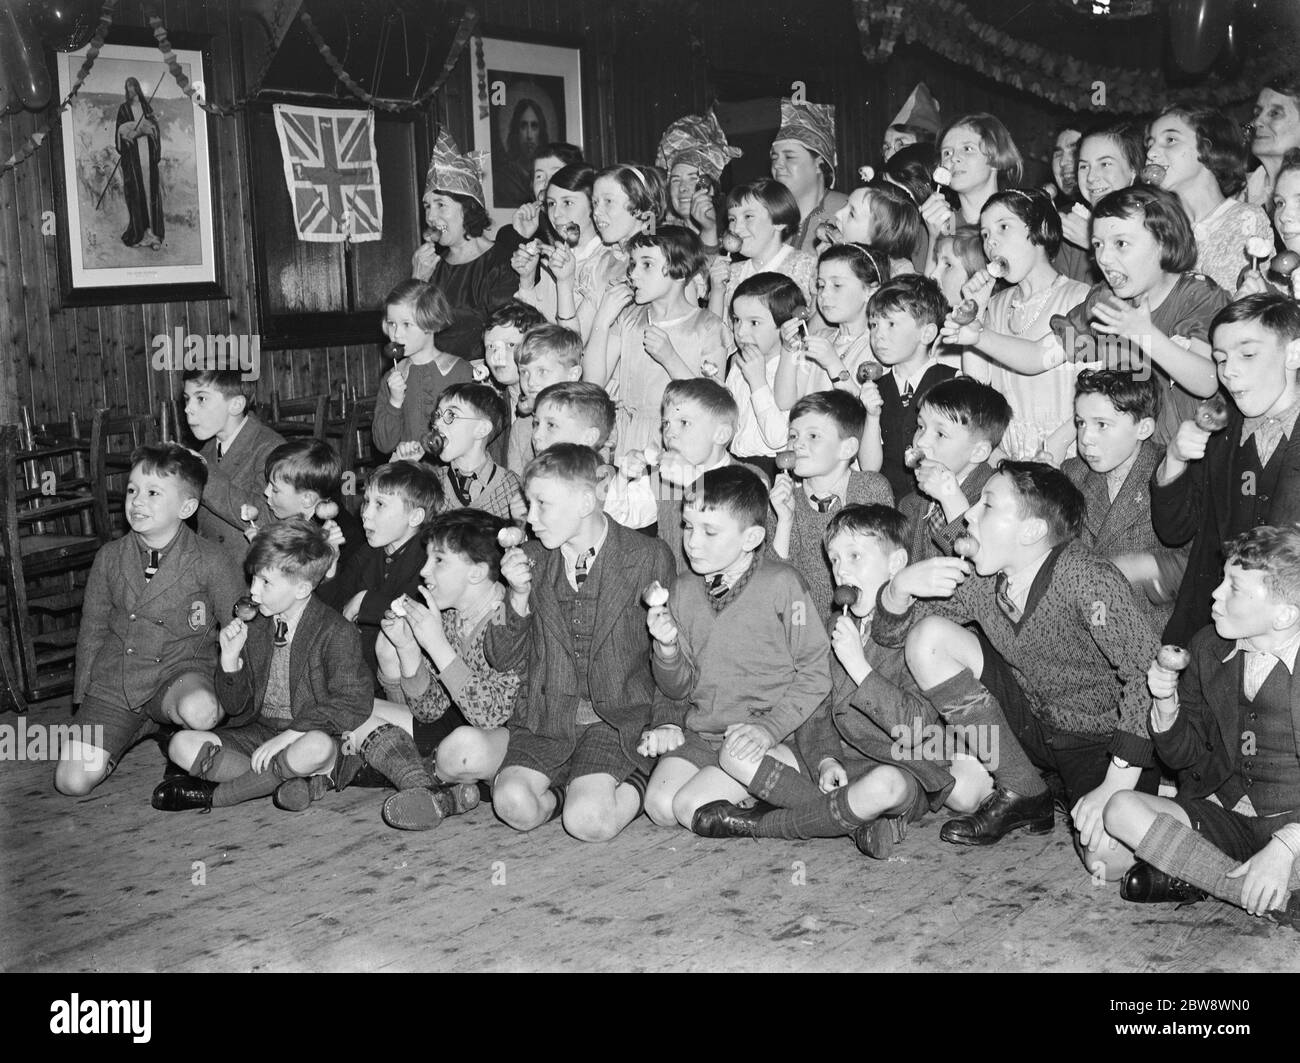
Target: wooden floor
(107,884)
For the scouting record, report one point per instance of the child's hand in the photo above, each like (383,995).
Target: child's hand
(937,577)
(408,450)
(1075,229)
(936,481)
(979,286)
(517,571)
(657,345)
(831,775)
(753,367)
(425,620)
(396,387)
(781,498)
(386,650)
(265,753)
(562,263)
(937,215)
(232,638)
(1113,316)
(527,218)
(793,337)
(871,399)
(661,740)
(822,351)
(659,622)
(1189,442)
(612,303)
(747,741)
(1253,283)
(524,262)
(847,644)
(1267,875)
(397,629)
(1163,685)
(353,607)
(955,335)
(719,271)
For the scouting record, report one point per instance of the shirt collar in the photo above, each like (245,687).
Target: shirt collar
(1265,424)
(570,555)
(1286,653)
(915,378)
(227,444)
(1019,582)
(292,615)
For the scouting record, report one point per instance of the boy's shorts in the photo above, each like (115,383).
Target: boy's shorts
(1241,837)
(698,749)
(856,766)
(248,738)
(124,727)
(599,751)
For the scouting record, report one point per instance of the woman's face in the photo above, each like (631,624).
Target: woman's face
(1286,208)
(1171,143)
(566,207)
(854,218)
(682,179)
(962,152)
(750,221)
(795,167)
(528,132)
(1277,124)
(1103,169)
(446,217)
(612,211)
(544,169)
(1006,237)
(948,271)
(1064,154)
(895,141)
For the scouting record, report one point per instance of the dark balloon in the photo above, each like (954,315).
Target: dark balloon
(65,25)
(22,66)
(1197,32)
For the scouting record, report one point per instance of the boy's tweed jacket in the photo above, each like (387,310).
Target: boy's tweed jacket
(540,648)
(923,542)
(136,633)
(1080,652)
(330,687)
(237,480)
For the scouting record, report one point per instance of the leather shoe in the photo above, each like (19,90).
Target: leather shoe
(182,793)
(878,838)
(295,795)
(998,815)
(1288,916)
(422,808)
(722,819)
(1144,884)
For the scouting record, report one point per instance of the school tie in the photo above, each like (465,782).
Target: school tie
(936,518)
(1004,599)
(281,632)
(717,589)
(151,566)
(582,565)
(460,484)
(823,502)
(220,453)
(906,397)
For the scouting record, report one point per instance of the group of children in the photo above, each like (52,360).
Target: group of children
(772,536)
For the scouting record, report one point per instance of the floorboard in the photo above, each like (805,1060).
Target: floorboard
(107,884)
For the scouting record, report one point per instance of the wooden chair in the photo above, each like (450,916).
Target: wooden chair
(299,418)
(46,508)
(112,441)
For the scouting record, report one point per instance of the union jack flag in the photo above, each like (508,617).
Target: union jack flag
(332,173)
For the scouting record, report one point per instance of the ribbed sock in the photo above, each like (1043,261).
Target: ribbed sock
(963,700)
(218,764)
(781,785)
(1179,851)
(829,816)
(392,752)
(638,780)
(559,792)
(252,785)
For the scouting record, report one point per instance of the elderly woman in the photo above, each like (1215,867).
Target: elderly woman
(1275,130)
(457,257)
(803,159)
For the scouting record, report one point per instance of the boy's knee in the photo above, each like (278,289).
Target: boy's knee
(1106,864)
(684,809)
(73,779)
(885,787)
(590,822)
(199,710)
(739,769)
(457,754)
(659,810)
(184,747)
(515,805)
(1120,812)
(928,641)
(312,752)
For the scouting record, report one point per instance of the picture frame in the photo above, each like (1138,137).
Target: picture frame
(134,154)
(528,92)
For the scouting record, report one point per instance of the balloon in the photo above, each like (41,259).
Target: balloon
(22,64)
(1197,29)
(65,25)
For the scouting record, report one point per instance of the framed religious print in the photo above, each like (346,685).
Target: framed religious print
(135,180)
(527,94)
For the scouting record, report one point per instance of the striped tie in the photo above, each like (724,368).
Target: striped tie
(151,566)
(281,632)
(581,565)
(1004,599)
(717,589)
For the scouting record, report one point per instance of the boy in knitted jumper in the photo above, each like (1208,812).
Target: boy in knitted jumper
(1228,726)
(870,765)
(959,423)
(738,648)
(1063,655)
(469,417)
(825,428)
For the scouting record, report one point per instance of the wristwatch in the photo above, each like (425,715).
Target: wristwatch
(1119,762)
(841,376)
